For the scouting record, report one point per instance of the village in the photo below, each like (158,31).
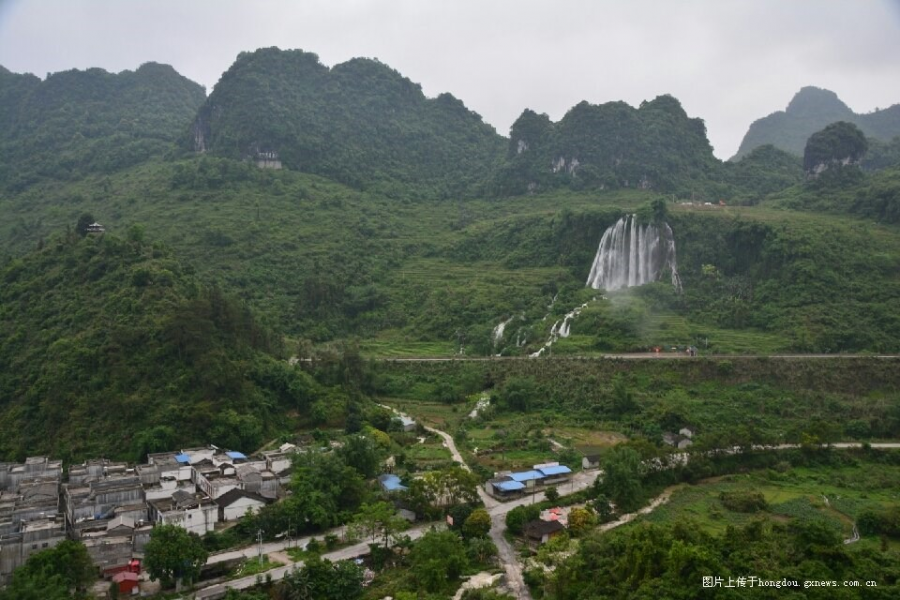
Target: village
(112,507)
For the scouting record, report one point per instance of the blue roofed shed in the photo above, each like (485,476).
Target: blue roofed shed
(554,474)
(236,455)
(557,470)
(526,476)
(509,486)
(183,459)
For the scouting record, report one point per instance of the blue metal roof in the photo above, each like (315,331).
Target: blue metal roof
(557,470)
(236,455)
(183,458)
(509,486)
(391,483)
(526,475)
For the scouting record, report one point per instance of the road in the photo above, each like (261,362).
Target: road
(505,552)
(361,549)
(636,356)
(497,510)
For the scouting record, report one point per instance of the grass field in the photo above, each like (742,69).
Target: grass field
(797,493)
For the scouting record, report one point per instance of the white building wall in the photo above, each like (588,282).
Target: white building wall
(199,520)
(239,508)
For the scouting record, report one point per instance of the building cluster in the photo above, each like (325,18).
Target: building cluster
(505,486)
(30,519)
(111,507)
(680,440)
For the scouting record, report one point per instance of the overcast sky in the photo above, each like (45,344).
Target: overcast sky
(728,61)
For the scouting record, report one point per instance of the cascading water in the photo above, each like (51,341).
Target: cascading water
(560,329)
(499,330)
(631,254)
(499,333)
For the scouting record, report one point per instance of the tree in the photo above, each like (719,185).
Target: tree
(519,516)
(518,392)
(378,519)
(173,554)
(622,471)
(52,573)
(581,520)
(622,401)
(478,525)
(81,227)
(325,490)
(360,453)
(480,549)
(551,493)
(438,557)
(447,487)
(459,514)
(838,144)
(320,579)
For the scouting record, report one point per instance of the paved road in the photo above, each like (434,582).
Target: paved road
(498,510)
(361,549)
(635,356)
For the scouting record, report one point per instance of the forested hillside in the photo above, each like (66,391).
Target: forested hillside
(360,123)
(810,110)
(370,231)
(111,347)
(609,146)
(79,122)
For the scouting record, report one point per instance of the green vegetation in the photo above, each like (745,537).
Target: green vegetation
(724,402)
(77,123)
(763,171)
(809,111)
(786,521)
(253,566)
(173,555)
(873,196)
(840,143)
(59,573)
(360,122)
(609,146)
(322,262)
(103,334)
(622,471)
(235,305)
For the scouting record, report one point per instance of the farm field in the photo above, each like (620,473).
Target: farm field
(833,495)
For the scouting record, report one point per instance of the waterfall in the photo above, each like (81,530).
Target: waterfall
(499,330)
(631,254)
(560,329)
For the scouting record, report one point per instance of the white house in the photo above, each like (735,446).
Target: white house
(195,512)
(234,504)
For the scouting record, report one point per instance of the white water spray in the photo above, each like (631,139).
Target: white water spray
(631,254)
(560,329)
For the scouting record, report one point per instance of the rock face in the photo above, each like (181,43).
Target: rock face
(809,111)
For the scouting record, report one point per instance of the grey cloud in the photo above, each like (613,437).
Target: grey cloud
(728,62)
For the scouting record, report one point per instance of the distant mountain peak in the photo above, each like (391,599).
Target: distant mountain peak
(813,99)
(811,110)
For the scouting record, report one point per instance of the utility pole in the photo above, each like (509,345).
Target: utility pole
(259,545)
